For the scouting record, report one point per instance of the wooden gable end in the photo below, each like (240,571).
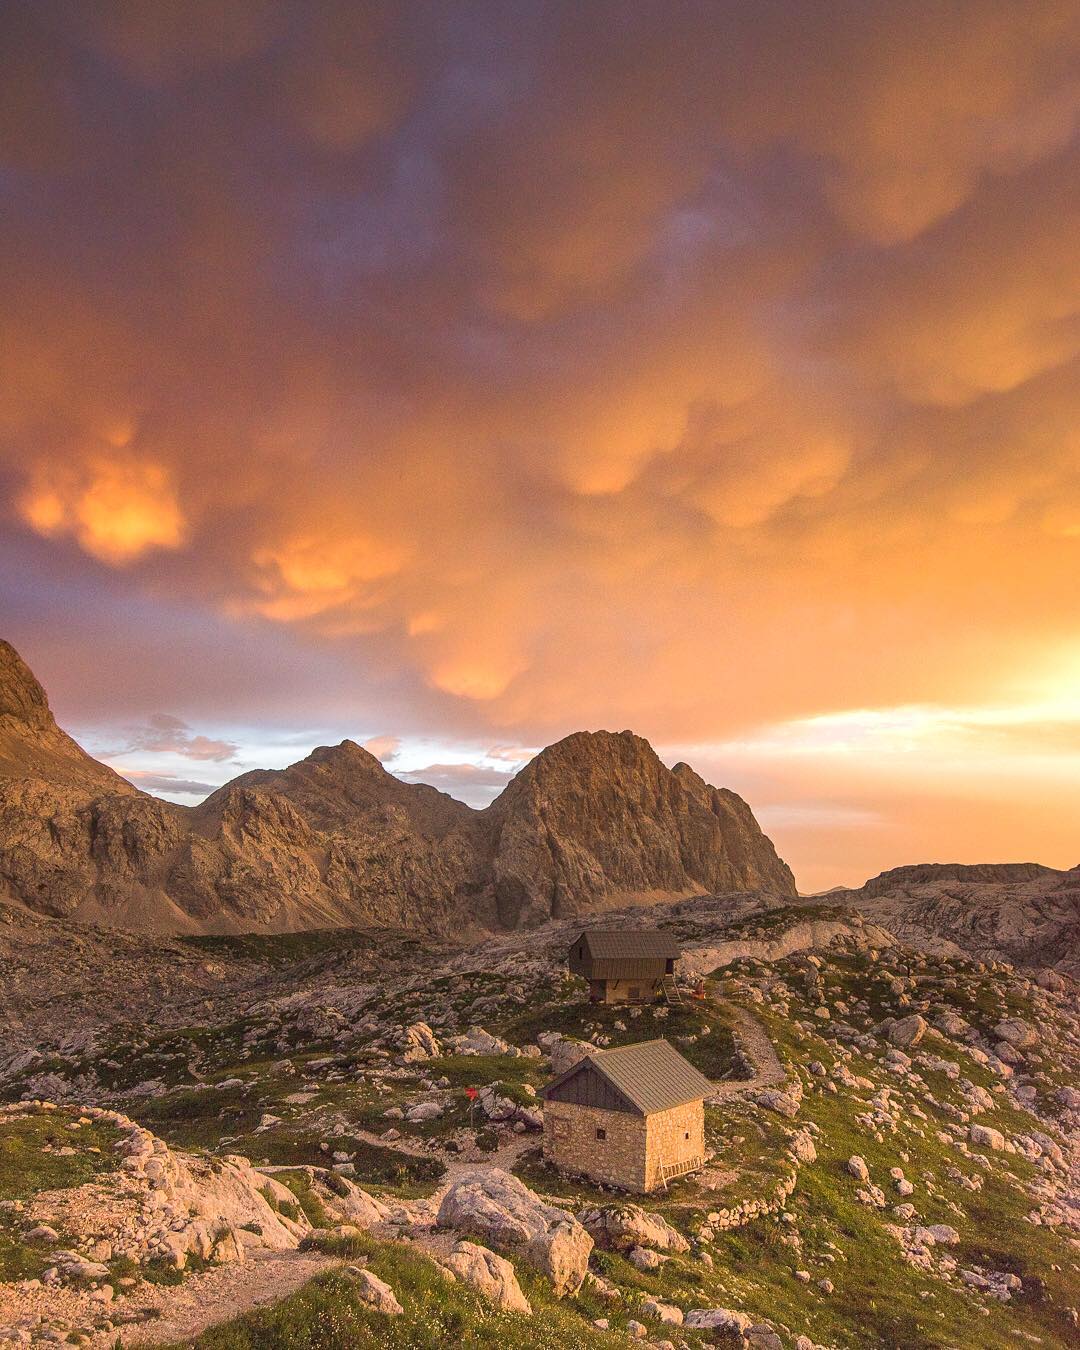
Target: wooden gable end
(587,1087)
(579,959)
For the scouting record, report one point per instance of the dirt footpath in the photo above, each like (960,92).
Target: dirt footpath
(220,1294)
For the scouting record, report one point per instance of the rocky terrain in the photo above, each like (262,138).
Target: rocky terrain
(221,1133)
(1020,912)
(336,840)
(267,1140)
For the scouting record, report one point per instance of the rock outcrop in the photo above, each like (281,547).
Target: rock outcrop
(1019,912)
(489,1273)
(621,1227)
(336,840)
(163,1205)
(494,1206)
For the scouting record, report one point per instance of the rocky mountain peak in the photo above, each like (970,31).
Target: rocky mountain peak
(598,817)
(347,756)
(22,698)
(583,759)
(32,746)
(593,820)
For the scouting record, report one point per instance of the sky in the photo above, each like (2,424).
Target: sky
(456,376)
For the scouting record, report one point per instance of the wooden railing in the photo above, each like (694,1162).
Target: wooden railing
(669,1171)
(669,987)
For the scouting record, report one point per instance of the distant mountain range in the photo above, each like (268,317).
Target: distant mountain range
(593,821)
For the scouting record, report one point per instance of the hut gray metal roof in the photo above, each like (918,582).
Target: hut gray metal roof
(650,1075)
(608,943)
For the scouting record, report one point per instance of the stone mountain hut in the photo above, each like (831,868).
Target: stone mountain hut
(628,965)
(631,1117)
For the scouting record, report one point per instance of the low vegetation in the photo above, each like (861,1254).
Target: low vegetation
(329,1314)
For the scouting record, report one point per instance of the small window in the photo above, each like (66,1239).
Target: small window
(635,992)
(601,1133)
(687,1135)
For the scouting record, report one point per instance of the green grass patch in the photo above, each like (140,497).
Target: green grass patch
(328,1314)
(30,1162)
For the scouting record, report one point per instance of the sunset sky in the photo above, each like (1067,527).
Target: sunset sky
(456,376)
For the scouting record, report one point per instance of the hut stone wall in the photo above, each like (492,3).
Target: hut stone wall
(570,1142)
(633,1147)
(675,1136)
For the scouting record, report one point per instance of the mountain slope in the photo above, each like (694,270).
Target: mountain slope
(336,840)
(32,745)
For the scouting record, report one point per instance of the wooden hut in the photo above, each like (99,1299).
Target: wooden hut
(626,965)
(631,1117)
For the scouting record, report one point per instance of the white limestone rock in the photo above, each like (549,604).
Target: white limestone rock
(717,1319)
(985,1136)
(489,1273)
(620,1227)
(497,1207)
(907,1031)
(374,1292)
(857,1168)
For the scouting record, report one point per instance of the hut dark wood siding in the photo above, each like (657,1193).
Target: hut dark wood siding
(624,968)
(588,1088)
(628,955)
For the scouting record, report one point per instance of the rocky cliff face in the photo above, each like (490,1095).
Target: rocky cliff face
(1021,912)
(598,818)
(336,840)
(32,746)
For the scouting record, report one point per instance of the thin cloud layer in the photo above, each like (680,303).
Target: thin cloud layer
(492,370)
(168,735)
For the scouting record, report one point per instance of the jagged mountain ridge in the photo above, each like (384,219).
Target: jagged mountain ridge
(337,840)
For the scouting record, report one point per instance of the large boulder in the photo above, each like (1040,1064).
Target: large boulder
(419,1042)
(907,1031)
(424,1111)
(620,1227)
(491,1274)
(717,1319)
(348,1203)
(802,1147)
(376,1293)
(499,1109)
(477,1041)
(985,1136)
(564,1052)
(857,1168)
(497,1207)
(950,1023)
(1015,1032)
(1048,978)
(663,1312)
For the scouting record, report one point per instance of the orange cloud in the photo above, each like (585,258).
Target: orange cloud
(307,575)
(117,509)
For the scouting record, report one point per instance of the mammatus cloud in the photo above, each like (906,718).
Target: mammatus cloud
(494,371)
(116,508)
